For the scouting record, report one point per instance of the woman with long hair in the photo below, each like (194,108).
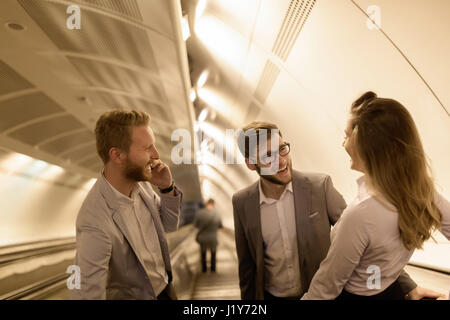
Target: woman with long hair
(396,210)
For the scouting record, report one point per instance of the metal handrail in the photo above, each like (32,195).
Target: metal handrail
(58,281)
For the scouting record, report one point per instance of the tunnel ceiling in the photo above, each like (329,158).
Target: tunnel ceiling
(301,63)
(55,82)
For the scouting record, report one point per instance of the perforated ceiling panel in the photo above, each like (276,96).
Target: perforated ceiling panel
(265,84)
(61,144)
(36,132)
(11,81)
(116,77)
(25,108)
(99,35)
(80,153)
(126,8)
(116,101)
(294,20)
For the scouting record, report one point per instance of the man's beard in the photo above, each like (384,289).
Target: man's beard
(135,172)
(273,178)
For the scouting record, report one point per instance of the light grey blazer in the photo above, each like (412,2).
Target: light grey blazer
(110,262)
(318,206)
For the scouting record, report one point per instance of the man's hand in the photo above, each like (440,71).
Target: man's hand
(419,293)
(161,175)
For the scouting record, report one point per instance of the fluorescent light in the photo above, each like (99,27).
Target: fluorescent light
(227,140)
(202,79)
(15,162)
(201,6)
(222,41)
(203,115)
(186,31)
(214,101)
(192,95)
(52,172)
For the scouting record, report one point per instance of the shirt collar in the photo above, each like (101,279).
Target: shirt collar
(120,198)
(263,198)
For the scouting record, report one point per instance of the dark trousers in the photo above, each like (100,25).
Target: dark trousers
(393,292)
(203,251)
(271,297)
(164,295)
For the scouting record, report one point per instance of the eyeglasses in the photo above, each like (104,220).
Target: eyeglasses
(283,151)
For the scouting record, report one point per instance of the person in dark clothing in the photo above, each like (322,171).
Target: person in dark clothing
(208,221)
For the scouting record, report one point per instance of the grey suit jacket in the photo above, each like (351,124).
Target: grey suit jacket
(208,222)
(110,262)
(318,206)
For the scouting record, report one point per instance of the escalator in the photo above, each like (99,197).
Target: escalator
(37,270)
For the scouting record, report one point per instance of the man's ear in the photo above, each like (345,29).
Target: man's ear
(116,155)
(250,165)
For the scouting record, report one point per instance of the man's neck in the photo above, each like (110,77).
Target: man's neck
(119,182)
(272,190)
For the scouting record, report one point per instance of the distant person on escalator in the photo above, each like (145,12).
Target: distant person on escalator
(208,221)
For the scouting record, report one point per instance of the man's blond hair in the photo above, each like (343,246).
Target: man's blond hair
(113,129)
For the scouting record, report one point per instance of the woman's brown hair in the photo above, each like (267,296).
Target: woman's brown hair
(388,143)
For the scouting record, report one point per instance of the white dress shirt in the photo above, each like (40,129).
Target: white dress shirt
(365,240)
(143,231)
(279,233)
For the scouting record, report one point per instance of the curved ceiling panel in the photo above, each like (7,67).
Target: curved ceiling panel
(102,35)
(25,108)
(11,81)
(43,130)
(58,145)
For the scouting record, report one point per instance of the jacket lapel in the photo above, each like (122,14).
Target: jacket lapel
(253,219)
(120,222)
(302,203)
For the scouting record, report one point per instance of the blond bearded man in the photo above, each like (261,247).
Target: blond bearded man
(122,251)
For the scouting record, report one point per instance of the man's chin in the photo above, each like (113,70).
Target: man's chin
(139,175)
(274,179)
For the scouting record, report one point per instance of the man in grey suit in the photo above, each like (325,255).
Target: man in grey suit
(283,221)
(122,251)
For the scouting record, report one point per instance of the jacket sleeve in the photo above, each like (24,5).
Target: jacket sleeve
(334,201)
(247,267)
(169,209)
(92,258)
(405,282)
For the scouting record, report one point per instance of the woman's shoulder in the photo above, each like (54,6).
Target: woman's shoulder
(369,211)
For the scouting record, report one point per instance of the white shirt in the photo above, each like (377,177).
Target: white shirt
(142,230)
(366,238)
(279,233)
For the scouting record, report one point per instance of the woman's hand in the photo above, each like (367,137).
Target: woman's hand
(420,293)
